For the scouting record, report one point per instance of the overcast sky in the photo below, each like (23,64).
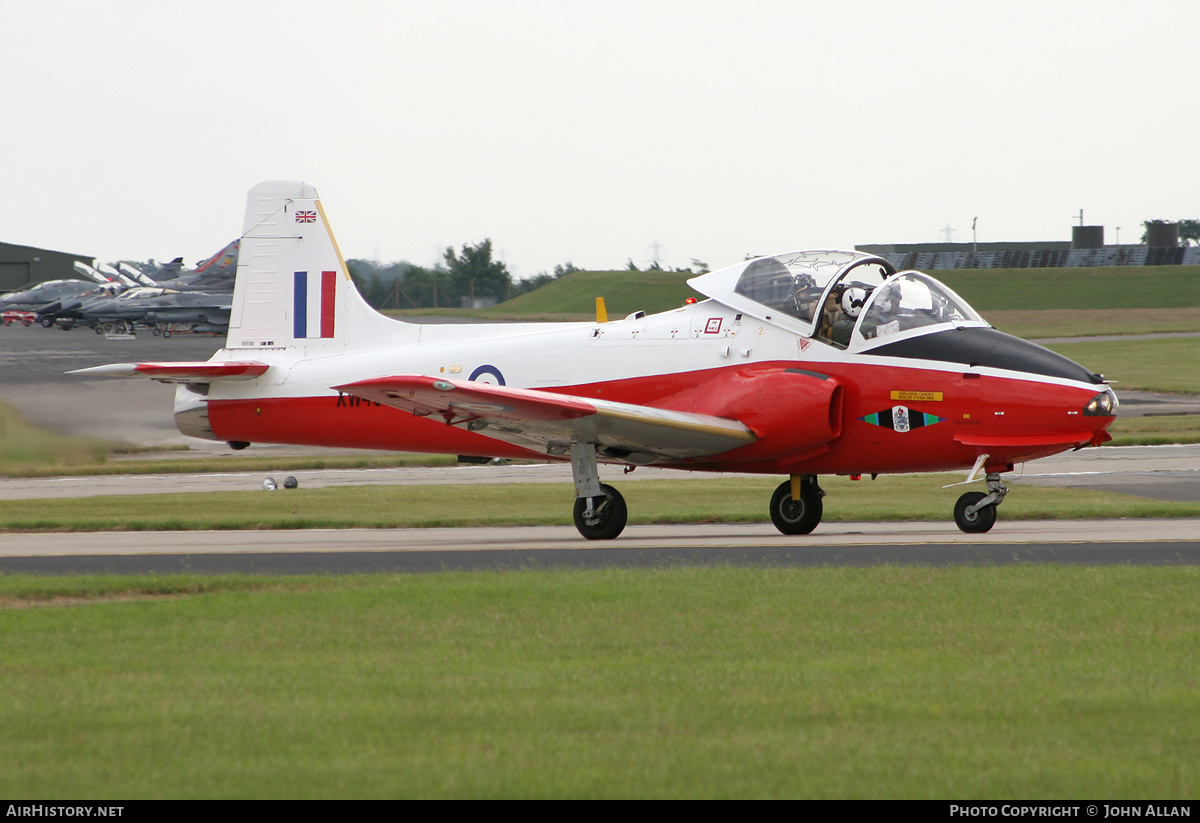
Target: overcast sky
(589,131)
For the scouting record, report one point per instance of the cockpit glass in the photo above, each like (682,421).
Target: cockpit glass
(909,301)
(792,283)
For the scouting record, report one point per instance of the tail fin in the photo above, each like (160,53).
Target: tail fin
(293,289)
(221,265)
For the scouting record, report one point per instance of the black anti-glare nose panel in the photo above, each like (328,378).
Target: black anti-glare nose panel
(987,347)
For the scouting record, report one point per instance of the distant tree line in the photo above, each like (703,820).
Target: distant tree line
(459,277)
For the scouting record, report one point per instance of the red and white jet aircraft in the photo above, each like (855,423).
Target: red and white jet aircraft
(799,364)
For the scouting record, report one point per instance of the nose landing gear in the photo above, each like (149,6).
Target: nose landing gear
(975,512)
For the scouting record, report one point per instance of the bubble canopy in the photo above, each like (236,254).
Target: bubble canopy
(804,291)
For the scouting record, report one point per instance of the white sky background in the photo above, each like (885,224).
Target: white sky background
(587,131)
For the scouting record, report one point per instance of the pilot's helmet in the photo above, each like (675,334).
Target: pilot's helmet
(853,300)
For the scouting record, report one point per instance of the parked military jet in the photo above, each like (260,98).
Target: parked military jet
(49,293)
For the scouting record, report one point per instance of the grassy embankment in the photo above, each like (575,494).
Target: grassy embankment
(1020,682)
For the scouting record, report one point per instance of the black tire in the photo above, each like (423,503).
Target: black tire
(980,521)
(608,521)
(796,517)
(46,322)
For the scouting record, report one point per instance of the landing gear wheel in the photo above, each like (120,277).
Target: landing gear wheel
(978,521)
(46,322)
(796,516)
(608,519)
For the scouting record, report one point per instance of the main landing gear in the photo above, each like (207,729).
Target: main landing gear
(600,512)
(796,505)
(975,512)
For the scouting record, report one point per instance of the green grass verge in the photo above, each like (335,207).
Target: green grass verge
(24,445)
(231,463)
(1159,430)
(895,682)
(715,500)
(1088,322)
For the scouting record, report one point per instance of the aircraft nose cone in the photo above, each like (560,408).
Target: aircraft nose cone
(989,348)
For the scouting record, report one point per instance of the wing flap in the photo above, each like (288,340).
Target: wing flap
(548,420)
(181,372)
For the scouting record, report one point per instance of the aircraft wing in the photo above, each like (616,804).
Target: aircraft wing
(550,422)
(181,372)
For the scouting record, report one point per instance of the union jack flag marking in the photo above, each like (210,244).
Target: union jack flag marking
(306,217)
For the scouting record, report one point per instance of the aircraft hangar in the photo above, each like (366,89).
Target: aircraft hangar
(25,266)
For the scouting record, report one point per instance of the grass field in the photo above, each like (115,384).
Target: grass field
(1164,365)
(1156,430)
(24,445)
(966,683)
(1032,323)
(713,500)
(1114,287)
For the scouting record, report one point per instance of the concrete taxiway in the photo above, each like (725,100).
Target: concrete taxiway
(357,551)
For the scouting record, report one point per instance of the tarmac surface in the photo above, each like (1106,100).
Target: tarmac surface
(365,551)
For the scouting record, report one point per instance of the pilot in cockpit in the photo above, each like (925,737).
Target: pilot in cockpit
(805,293)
